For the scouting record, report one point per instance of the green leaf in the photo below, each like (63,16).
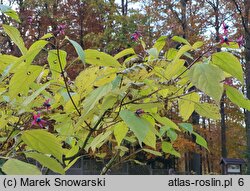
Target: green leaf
(125,52)
(6,71)
(100,58)
(168,148)
(93,98)
(207,78)
(150,139)
(22,79)
(187,127)
(171,53)
(166,122)
(99,140)
(54,63)
(46,161)
(232,45)
(85,80)
(8,11)
(172,134)
(15,36)
(46,36)
(153,52)
(138,125)
(186,105)
(200,140)
(30,98)
(182,51)
(78,49)
(180,40)
(208,110)
(237,97)
(160,43)
(120,131)
(156,153)
(174,68)
(197,45)
(228,63)
(44,142)
(17,167)
(34,49)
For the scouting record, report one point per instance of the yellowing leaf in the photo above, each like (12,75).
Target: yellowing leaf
(150,139)
(34,49)
(160,43)
(22,79)
(17,167)
(228,63)
(156,153)
(105,76)
(54,63)
(207,78)
(85,80)
(120,131)
(15,36)
(100,58)
(186,105)
(197,45)
(180,40)
(125,52)
(168,148)
(237,97)
(200,140)
(171,53)
(182,50)
(46,161)
(166,122)
(30,98)
(208,110)
(99,140)
(93,98)
(109,101)
(174,68)
(44,142)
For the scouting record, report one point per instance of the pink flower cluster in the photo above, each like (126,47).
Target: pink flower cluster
(60,29)
(135,36)
(37,117)
(224,38)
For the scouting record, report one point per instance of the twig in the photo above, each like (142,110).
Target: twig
(140,98)
(241,15)
(110,163)
(128,157)
(7,139)
(92,130)
(65,81)
(121,104)
(199,57)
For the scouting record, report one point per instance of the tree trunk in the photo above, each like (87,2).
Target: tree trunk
(247,74)
(222,107)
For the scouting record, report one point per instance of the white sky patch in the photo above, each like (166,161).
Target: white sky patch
(130,5)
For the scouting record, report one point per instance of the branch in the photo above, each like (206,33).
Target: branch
(92,130)
(110,163)
(241,15)
(65,82)
(140,98)
(199,57)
